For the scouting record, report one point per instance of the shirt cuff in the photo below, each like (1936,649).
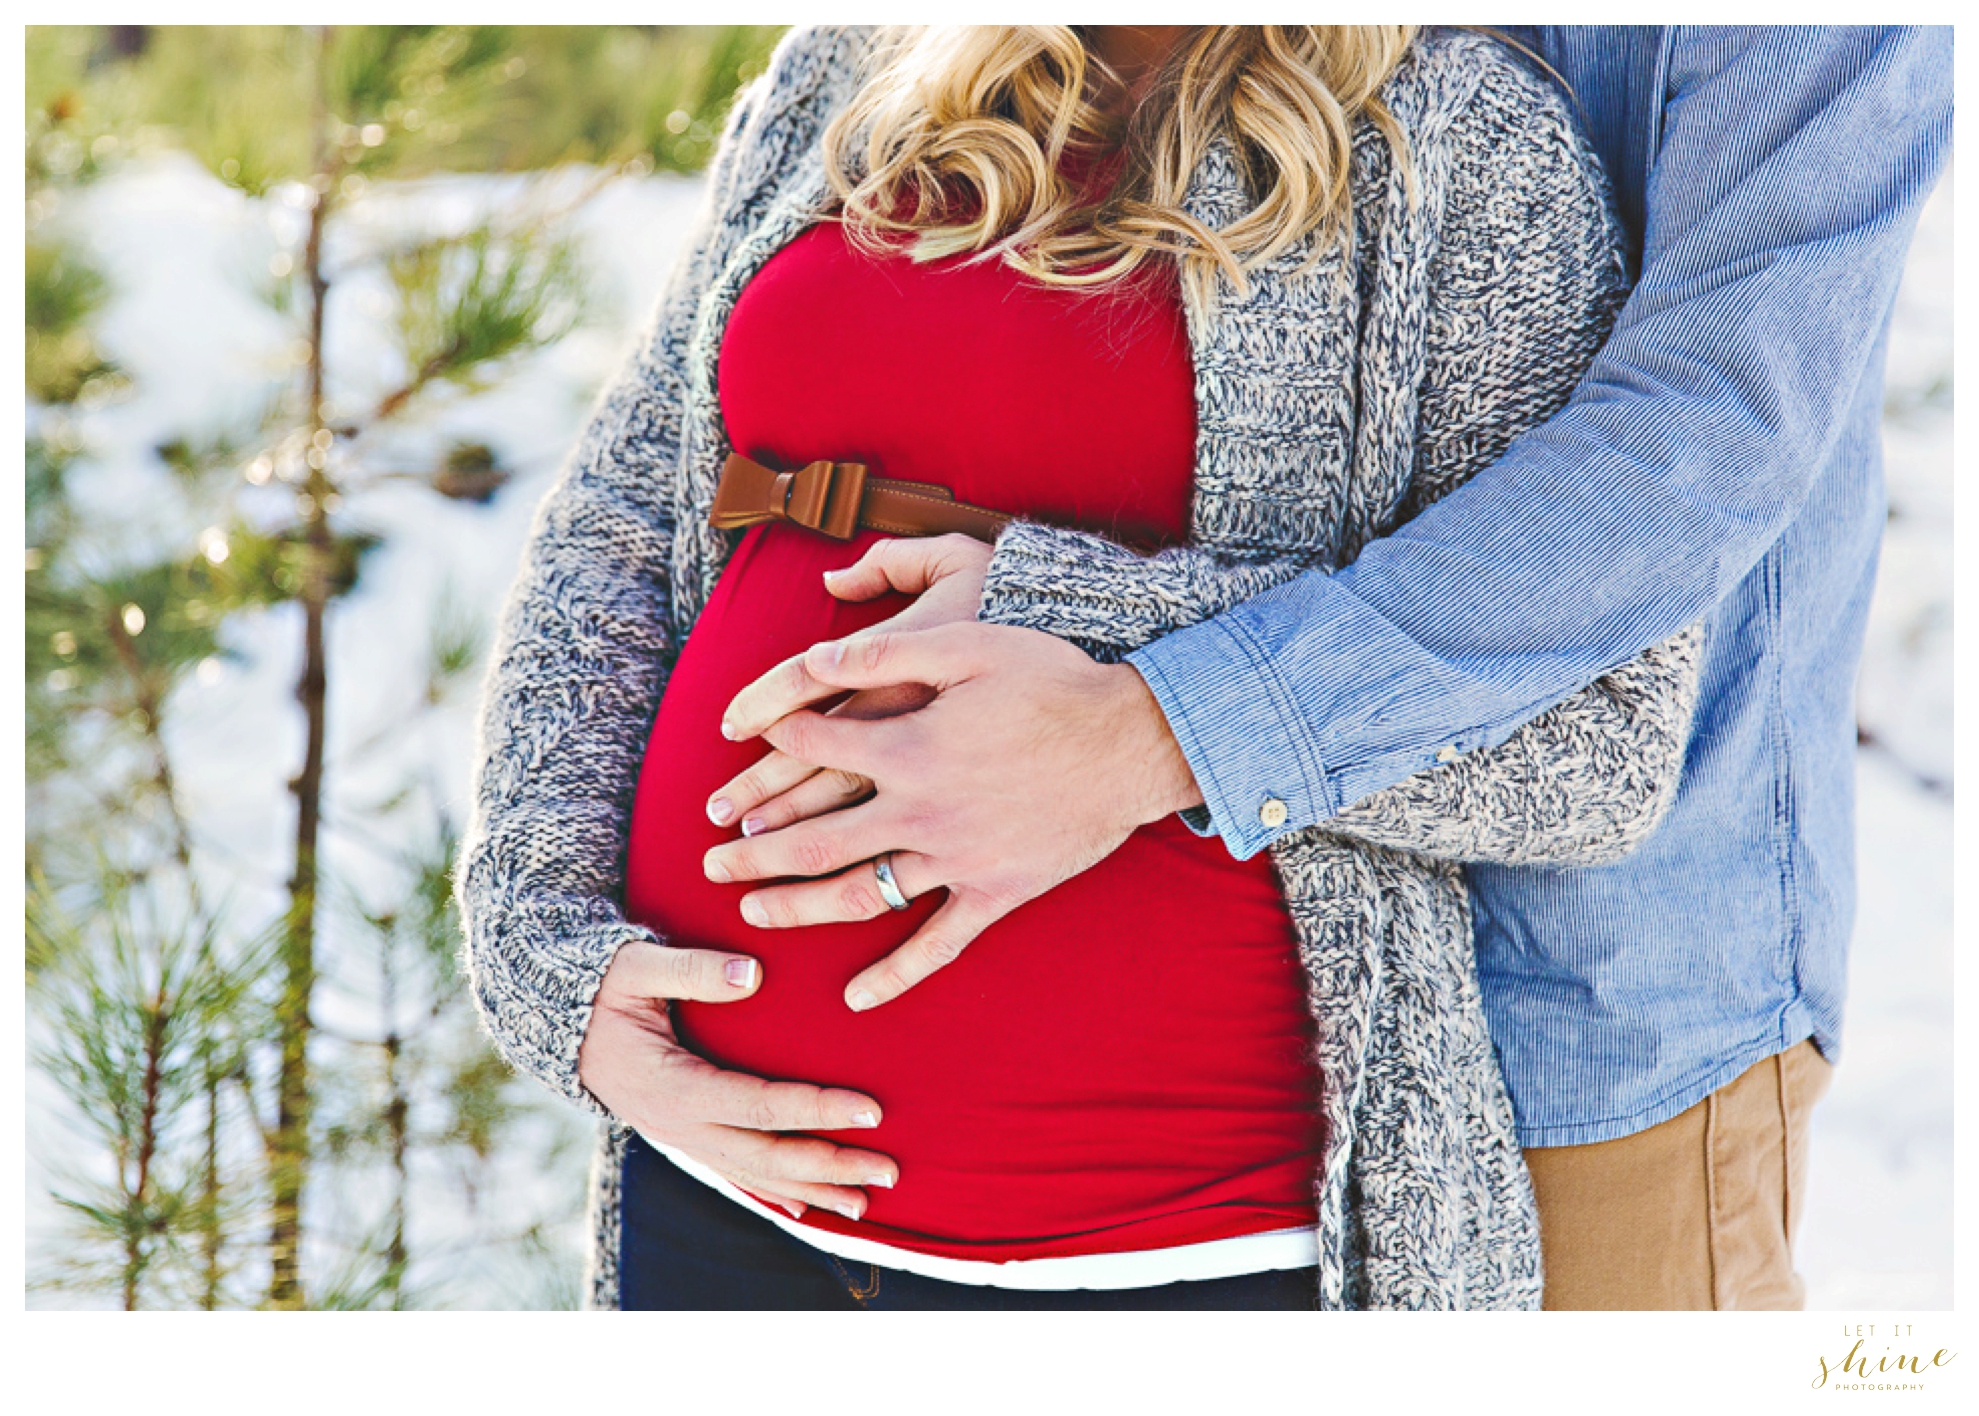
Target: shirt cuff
(1371,708)
(1243,737)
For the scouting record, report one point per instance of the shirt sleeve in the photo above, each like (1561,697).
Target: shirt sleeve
(1791,167)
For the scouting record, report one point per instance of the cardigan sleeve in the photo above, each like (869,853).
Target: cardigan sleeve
(579,663)
(1512,324)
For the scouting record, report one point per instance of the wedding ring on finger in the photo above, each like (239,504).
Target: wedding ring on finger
(890,890)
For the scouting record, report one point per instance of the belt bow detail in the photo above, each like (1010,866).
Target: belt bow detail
(838,499)
(824,496)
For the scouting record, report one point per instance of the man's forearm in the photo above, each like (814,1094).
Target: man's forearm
(1690,445)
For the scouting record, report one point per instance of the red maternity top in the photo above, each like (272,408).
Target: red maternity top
(1122,1064)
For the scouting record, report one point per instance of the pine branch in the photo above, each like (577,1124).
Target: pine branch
(1930,783)
(289,1170)
(157,1022)
(435,367)
(150,708)
(209,1194)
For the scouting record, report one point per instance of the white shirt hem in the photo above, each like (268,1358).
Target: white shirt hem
(1144,1268)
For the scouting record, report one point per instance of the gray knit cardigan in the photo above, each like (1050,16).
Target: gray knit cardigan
(1331,406)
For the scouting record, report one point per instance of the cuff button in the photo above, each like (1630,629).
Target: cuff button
(1272,813)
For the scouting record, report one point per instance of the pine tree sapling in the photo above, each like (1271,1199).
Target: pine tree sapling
(140,1014)
(259,1091)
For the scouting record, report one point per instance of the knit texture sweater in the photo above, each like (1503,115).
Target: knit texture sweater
(1332,404)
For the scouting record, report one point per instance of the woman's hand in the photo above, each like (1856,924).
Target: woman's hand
(632,1062)
(946,574)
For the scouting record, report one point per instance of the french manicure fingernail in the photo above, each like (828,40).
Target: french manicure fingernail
(753,911)
(883,1182)
(751,825)
(719,810)
(861,1000)
(716,871)
(832,653)
(848,1210)
(796,1210)
(740,972)
(728,729)
(865,1118)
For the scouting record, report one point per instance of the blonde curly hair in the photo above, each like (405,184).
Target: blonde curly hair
(954,144)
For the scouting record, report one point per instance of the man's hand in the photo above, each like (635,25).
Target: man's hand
(1031,764)
(631,1061)
(946,574)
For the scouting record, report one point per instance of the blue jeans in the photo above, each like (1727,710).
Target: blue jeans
(685,1247)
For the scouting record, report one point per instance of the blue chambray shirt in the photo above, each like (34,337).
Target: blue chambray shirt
(1721,460)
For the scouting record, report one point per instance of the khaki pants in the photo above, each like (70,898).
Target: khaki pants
(1698,1212)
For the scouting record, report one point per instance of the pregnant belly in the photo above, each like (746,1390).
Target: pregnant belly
(1123,1063)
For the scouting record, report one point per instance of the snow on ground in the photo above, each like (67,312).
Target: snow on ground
(185,254)
(1877,1231)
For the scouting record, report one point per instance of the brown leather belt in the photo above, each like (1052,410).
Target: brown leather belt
(840,500)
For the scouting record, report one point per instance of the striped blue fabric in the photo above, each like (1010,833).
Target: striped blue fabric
(1721,460)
